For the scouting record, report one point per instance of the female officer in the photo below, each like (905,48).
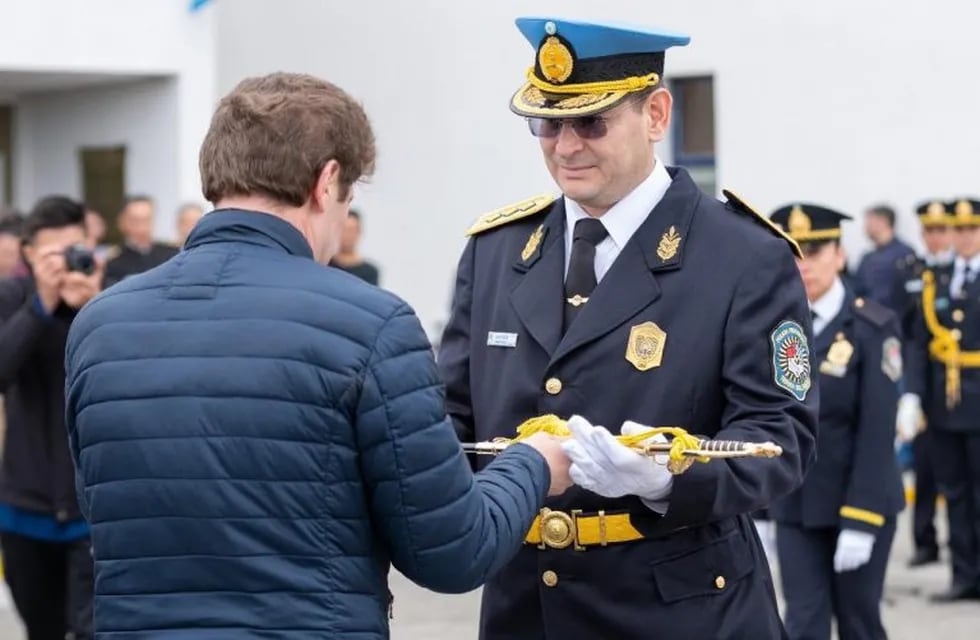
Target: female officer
(834,533)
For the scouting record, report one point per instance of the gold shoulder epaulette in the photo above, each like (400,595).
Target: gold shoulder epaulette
(510,213)
(736,201)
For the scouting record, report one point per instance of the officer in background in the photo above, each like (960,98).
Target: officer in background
(936,236)
(633,296)
(879,275)
(944,380)
(139,252)
(834,534)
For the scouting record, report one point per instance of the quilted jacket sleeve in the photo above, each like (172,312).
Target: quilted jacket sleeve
(446,528)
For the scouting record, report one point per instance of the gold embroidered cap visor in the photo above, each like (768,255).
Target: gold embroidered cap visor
(964,213)
(933,215)
(585,68)
(809,223)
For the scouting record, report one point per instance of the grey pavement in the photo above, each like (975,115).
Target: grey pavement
(422,615)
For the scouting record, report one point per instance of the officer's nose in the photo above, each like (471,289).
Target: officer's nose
(568,142)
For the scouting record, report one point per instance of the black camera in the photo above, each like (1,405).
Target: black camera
(78,257)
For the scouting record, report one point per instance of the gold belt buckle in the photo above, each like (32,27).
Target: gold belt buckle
(559,530)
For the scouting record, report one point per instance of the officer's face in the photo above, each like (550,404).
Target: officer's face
(966,241)
(136,222)
(597,172)
(936,239)
(819,267)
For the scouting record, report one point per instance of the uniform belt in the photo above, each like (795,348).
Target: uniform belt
(558,530)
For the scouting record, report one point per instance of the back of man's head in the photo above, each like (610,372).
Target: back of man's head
(53,212)
(273,135)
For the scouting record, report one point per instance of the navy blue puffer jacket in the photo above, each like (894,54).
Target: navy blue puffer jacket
(258,437)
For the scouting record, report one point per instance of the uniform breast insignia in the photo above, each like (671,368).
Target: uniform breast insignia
(791,359)
(510,213)
(838,356)
(645,349)
(532,243)
(891,358)
(669,243)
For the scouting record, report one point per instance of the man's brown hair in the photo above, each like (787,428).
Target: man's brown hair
(272,136)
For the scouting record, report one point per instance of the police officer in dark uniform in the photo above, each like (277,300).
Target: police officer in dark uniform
(944,379)
(936,237)
(834,534)
(633,296)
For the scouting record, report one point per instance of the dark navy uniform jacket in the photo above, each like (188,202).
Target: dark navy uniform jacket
(880,274)
(926,377)
(855,483)
(723,288)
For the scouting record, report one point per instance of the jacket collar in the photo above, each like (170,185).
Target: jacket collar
(250,227)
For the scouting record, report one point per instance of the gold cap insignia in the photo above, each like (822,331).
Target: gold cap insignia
(645,349)
(964,209)
(555,60)
(935,210)
(669,244)
(799,222)
(532,243)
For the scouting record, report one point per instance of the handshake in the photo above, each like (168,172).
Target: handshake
(595,460)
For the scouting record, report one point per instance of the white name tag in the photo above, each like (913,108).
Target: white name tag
(500,339)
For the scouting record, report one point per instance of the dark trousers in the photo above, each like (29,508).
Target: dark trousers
(814,592)
(926,492)
(957,465)
(51,584)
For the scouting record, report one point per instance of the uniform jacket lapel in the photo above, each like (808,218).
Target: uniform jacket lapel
(538,297)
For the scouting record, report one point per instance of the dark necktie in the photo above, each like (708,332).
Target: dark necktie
(581,281)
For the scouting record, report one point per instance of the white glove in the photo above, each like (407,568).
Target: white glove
(853,549)
(604,466)
(909,417)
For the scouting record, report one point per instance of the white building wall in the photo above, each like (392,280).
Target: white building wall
(841,102)
(141,116)
(151,38)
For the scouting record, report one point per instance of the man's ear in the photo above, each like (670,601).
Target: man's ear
(658,107)
(327,187)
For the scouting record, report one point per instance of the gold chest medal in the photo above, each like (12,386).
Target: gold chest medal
(838,356)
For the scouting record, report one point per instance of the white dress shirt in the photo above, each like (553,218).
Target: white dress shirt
(621,221)
(959,273)
(827,306)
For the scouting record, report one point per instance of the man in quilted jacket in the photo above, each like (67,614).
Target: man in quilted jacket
(258,437)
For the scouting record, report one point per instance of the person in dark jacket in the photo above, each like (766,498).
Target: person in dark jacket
(43,535)
(834,533)
(257,436)
(138,252)
(879,276)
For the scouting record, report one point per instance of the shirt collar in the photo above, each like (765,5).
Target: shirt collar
(973,263)
(829,304)
(626,216)
(938,259)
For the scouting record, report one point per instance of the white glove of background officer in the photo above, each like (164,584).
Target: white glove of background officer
(853,549)
(603,465)
(909,418)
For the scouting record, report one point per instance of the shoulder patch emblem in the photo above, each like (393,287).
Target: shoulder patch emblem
(736,201)
(510,213)
(791,359)
(891,358)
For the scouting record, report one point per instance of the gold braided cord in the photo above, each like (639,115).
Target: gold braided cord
(553,425)
(633,83)
(945,345)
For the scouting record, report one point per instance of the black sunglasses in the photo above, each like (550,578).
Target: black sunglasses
(585,127)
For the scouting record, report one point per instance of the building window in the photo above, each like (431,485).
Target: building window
(693,128)
(104,184)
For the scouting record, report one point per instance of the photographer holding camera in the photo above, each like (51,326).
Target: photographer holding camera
(44,538)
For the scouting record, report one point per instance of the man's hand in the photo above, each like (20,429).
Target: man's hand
(558,463)
(78,288)
(604,466)
(49,271)
(853,549)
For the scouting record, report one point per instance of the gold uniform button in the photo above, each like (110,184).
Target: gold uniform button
(958,315)
(857,303)
(956,334)
(720,582)
(553,386)
(549,578)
